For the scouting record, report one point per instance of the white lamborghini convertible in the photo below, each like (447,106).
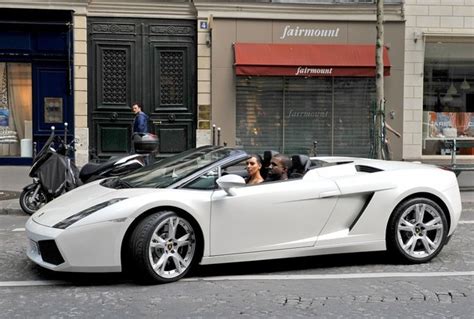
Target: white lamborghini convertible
(196,208)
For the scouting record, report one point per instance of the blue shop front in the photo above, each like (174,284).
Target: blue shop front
(36,80)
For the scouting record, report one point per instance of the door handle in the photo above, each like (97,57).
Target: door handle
(114,116)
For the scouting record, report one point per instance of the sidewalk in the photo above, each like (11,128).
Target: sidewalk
(14,178)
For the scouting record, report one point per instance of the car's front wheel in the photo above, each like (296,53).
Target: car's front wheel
(417,230)
(163,247)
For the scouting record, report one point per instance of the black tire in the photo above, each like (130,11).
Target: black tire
(416,231)
(29,202)
(172,255)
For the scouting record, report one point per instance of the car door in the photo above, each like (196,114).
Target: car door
(270,216)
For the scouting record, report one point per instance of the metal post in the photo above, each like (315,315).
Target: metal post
(213,134)
(65,133)
(218,136)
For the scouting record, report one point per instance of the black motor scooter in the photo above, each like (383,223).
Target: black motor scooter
(54,173)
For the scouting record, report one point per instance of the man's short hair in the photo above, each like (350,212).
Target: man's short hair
(284,160)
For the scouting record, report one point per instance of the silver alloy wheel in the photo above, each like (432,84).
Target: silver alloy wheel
(420,230)
(172,247)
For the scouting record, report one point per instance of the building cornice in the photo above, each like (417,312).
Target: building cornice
(78,6)
(204,9)
(141,9)
(273,11)
(110,8)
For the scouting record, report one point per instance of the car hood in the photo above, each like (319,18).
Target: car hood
(80,199)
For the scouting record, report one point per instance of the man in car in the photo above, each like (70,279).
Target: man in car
(279,166)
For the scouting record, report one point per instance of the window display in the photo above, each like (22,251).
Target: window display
(448,101)
(15,108)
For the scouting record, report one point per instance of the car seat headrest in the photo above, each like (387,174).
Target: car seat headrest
(267,156)
(300,162)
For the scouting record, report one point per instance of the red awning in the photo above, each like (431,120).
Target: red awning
(307,59)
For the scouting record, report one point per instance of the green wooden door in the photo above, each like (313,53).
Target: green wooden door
(149,61)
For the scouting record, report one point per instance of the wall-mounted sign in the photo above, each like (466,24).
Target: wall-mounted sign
(53,109)
(305,71)
(203,25)
(299,32)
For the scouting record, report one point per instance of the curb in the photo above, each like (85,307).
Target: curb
(11,207)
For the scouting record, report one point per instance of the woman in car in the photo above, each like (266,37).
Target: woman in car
(254,164)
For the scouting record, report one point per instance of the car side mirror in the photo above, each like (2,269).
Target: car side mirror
(229,182)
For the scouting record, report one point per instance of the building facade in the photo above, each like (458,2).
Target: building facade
(187,62)
(439,80)
(85,62)
(284,75)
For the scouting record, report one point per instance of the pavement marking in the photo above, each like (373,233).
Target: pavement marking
(30,283)
(19,229)
(335,276)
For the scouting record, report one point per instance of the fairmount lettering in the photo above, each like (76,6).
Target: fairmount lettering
(308,114)
(302,32)
(307,71)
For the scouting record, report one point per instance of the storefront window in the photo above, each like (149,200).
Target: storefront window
(15,109)
(448,101)
(288,114)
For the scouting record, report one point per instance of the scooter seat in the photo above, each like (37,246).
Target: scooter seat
(93,168)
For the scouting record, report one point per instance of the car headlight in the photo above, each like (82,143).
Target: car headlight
(86,212)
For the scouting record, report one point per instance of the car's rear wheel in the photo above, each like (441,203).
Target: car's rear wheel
(417,230)
(163,247)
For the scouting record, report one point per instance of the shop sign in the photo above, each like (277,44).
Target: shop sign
(305,71)
(299,32)
(53,109)
(450,124)
(308,114)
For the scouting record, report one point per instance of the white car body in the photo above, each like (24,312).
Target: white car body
(332,209)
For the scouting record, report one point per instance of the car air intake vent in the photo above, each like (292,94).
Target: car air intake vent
(367,169)
(50,252)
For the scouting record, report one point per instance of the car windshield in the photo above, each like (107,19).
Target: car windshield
(170,170)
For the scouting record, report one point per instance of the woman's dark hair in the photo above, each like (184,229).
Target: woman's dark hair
(257,157)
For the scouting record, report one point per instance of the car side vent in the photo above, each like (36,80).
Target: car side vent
(367,169)
(49,252)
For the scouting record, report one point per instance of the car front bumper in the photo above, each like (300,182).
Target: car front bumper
(90,248)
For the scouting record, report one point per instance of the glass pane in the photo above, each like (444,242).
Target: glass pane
(15,109)
(448,100)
